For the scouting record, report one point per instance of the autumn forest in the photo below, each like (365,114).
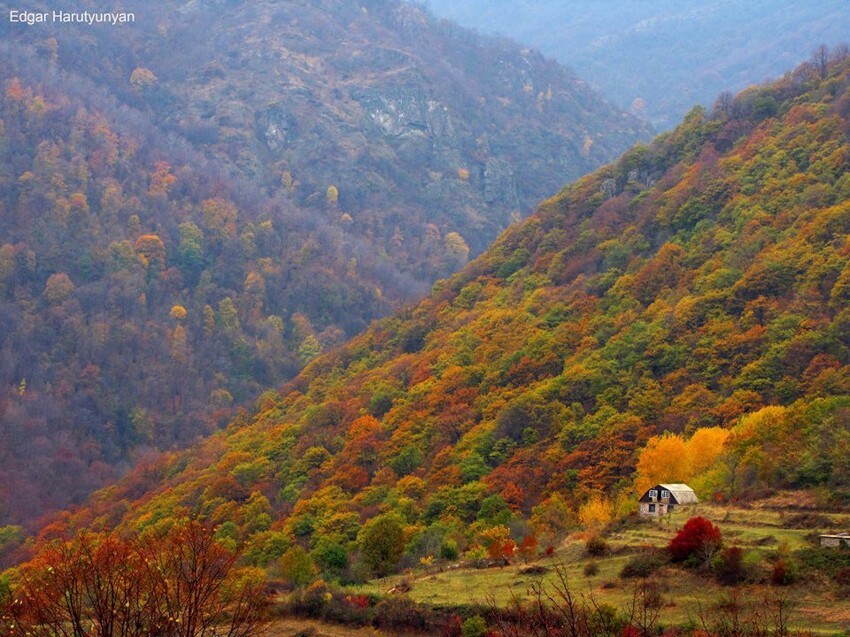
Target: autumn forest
(297,326)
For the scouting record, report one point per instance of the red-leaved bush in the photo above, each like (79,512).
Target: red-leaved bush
(699,539)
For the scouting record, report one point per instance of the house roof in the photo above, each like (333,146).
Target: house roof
(682,493)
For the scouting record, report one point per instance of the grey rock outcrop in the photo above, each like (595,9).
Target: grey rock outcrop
(404,111)
(276,128)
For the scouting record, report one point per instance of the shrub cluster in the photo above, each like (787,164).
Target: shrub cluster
(596,546)
(644,564)
(728,566)
(396,613)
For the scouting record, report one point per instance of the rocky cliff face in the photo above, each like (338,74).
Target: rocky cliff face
(405,111)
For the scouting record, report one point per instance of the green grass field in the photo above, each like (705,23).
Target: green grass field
(816,607)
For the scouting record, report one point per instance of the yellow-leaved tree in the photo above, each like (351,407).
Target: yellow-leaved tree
(671,458)
(332,196)
(596,512)
(142,78)
(663,459)
(705,446)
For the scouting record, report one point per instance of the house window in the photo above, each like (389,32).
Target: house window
(665,493)
(653,494)
(652,508)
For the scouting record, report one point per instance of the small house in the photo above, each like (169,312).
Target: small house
(664,498)
(835,540)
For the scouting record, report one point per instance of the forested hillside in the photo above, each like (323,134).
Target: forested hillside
(662,58)
(186,220)
(699,282)
(180,295)
(371,114)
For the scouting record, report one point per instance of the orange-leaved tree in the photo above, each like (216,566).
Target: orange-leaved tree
(183,583)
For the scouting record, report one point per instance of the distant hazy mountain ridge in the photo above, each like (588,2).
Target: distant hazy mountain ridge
(662,58)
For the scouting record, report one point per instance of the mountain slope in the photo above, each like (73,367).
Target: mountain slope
(695,281)
(187,220)
(141,292)
(413,122)
(667,56)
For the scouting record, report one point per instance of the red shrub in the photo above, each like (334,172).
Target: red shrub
(698,539)
(358,601)
(528,547)
(729,566)
(784,573)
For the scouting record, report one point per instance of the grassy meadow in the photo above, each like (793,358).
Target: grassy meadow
(816,603)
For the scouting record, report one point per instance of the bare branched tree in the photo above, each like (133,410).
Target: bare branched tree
(723,105)
(734,615)
(645,607)
(840,52)
(820,60)
(555,610)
